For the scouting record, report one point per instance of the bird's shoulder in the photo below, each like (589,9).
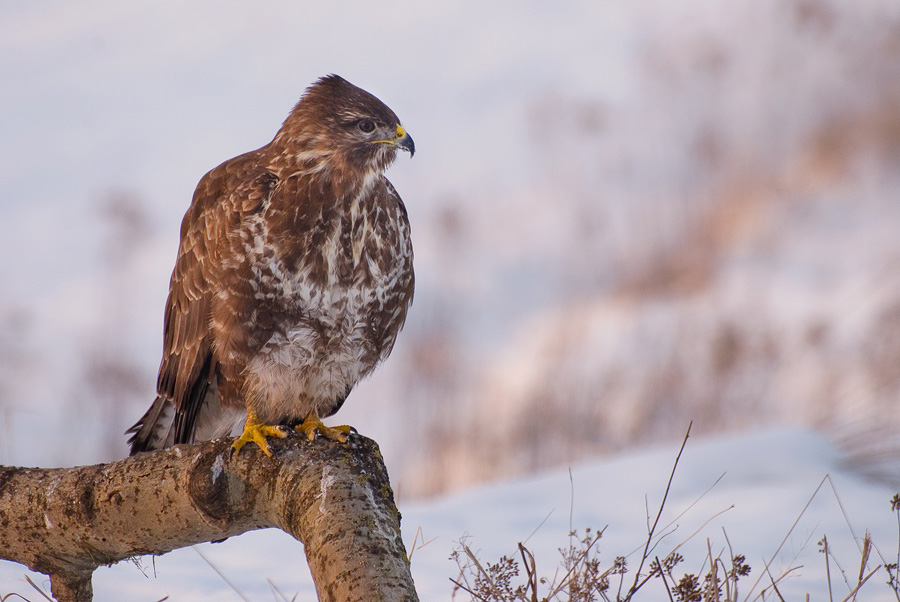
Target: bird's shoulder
(233,189)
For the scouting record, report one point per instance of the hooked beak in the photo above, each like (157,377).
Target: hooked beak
(404,141)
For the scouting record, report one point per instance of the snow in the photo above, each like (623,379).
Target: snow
(751,487)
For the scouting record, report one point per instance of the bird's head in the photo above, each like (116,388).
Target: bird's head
(348,124)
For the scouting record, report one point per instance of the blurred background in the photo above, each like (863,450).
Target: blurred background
(627,216)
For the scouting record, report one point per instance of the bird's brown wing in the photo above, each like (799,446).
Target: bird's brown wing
(187,368)
(221,201)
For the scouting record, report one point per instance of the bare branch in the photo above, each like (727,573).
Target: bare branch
(335,498)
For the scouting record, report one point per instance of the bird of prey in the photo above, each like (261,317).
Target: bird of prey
(293,278)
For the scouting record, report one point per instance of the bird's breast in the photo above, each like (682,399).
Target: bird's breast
(343,273)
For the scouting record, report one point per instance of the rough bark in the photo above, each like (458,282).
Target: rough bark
(333,497)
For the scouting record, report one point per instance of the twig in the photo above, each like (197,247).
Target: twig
(786,536)
(774,585)
(10,595)
(843,572)
(634,586)
(412,548)
(863,562)
(474,559)
(843,511)
(38,589)
(783,576)
(279,592)
(571,498)
(531,570)
(662,575)
(424,543)
(852,594)
(463,587)
(734,594)
(827,567)
(583,554)
(220,574)
(713,571)
(726,580)
(686,510)
(702,526)
(864,558)
(541,524)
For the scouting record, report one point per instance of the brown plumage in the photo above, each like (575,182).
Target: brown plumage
(293,277)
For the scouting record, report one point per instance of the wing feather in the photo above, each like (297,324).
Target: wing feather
(222,199)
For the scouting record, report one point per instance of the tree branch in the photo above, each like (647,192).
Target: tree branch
(335,498)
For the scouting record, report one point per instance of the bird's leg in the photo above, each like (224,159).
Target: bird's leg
(312,425)
(256,431)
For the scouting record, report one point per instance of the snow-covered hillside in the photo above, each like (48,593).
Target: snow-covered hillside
(749,489)
(626,215)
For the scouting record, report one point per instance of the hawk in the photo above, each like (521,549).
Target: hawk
(294,276)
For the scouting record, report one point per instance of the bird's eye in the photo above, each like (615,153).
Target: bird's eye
(366,126)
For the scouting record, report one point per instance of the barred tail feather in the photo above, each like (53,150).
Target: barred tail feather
(163,426)
(155,430)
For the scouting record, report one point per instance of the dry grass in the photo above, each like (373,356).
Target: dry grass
(583,576)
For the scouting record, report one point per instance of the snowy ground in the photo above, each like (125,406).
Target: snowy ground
(767,478)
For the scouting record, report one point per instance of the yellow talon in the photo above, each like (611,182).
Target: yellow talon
(313,425)
(256,431)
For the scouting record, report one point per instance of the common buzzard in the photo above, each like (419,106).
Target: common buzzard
(293,278)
